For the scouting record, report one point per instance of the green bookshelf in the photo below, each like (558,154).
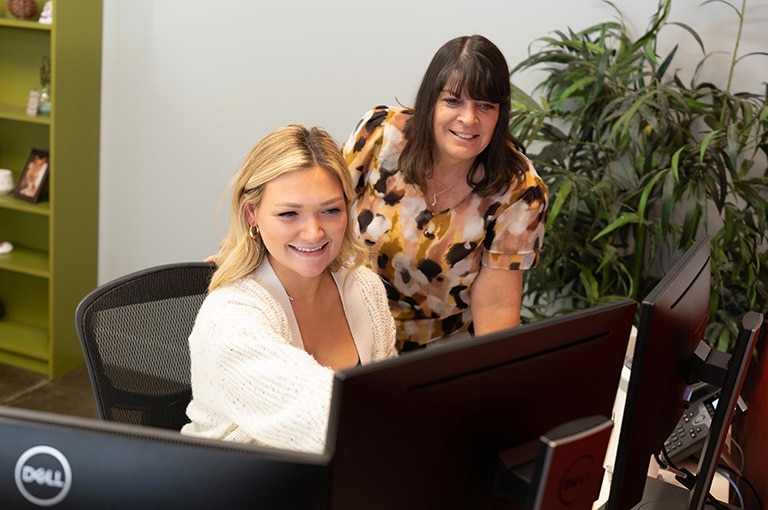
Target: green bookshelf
(54,261)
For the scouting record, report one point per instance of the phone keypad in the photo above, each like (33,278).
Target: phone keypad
(691,427)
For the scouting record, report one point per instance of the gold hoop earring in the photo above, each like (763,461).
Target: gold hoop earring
(253,232)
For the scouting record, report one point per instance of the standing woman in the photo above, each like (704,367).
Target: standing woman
(289,302)
(451,209)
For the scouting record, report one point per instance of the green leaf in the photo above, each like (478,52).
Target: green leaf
(692,32)
(646,193)
(667,202)
(519,96)
(675,162)
(629,115)
(557,204)
(623,219)
(704,144)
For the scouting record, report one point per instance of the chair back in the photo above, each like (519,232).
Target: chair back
(134,333)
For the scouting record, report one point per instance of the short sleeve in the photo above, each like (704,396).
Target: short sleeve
(515,236)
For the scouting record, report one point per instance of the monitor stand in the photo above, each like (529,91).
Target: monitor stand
(566,471)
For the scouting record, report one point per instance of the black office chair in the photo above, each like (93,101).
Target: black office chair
(134,331)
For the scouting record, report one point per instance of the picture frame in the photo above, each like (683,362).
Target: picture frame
(34,176)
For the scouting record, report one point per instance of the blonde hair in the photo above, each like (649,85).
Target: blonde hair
(287,149)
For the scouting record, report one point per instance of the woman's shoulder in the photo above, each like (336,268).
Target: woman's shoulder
(242,291)
(383,115)
(364,274)
(364,279)
(242,302)
(381,129)
(357,273)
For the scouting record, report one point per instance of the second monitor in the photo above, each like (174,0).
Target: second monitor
(426,430)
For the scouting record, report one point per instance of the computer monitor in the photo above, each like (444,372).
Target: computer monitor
(425,430)
(672,323)
(57,461)
(728,371)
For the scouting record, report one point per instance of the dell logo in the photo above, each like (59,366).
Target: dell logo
(43,475)
(575,484)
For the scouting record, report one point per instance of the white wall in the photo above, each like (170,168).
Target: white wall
(189,87)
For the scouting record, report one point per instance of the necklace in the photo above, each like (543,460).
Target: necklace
(291,298)
(436,193)
(300,298)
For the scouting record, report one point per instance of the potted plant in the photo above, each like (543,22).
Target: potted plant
(638,164)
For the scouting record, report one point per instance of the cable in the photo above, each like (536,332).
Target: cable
(735,487)
(747,483)
(735,443)
(688,479)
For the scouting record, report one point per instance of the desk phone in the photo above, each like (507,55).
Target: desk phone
(688,436)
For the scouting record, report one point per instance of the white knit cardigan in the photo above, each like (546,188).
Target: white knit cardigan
(252,380)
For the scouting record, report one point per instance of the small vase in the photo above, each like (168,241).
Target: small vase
(44,103)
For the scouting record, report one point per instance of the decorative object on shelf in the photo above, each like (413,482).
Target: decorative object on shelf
(33,177)
(44,102)
(6,181)
(5,247)
(22,9)
(46,16)
(32,102)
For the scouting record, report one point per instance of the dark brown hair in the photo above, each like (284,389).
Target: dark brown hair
(475,64)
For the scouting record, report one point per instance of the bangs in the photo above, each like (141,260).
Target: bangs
(478,81)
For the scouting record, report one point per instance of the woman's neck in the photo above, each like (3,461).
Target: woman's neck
(446,172)
(302,288)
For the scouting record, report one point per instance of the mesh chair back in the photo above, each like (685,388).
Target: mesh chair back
(134,333)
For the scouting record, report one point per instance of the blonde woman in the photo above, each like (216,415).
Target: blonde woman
(290,301)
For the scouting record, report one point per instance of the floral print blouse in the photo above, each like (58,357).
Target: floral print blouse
(429,260)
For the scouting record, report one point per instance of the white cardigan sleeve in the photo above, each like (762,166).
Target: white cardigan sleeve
(249,384)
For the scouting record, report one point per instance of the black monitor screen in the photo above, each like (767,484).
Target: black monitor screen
(673,320)
(424,430)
